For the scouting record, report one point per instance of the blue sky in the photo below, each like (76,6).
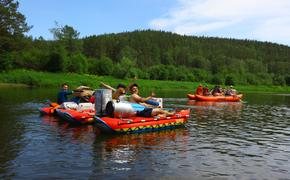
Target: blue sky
(263,20)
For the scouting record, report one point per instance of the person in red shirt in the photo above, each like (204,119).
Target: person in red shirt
(92,98)
(199,90)
(206,91)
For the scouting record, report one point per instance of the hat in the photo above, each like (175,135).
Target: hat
(231,86)
(87,93)
(121,86)
(82,93)
(80,88)
(136,85)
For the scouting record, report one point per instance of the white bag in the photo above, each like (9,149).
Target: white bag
(85,106)
(159,100)
(69,105)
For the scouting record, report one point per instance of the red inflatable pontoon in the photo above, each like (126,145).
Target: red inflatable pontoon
(49,110)
(141,124)
(191,96)
(74,117)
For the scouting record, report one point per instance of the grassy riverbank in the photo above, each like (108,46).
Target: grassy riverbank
(44,79)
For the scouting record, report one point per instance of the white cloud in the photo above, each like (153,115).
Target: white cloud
(188,28)
(277,30)
(267,20)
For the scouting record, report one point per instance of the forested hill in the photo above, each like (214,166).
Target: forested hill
(197,58)
(159,46)
(155,55)
(164,55)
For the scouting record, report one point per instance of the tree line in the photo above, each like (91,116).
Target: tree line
(147,54)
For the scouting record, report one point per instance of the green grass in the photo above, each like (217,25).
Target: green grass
(45,79)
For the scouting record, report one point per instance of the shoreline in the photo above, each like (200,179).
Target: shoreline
(14,85)
(241,89)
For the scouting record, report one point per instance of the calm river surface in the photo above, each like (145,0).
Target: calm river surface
(249,140)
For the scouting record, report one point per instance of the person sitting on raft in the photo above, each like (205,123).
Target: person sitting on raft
(199,90)
(120,91)
(64,92)
(148,111)
(230,91)
(205,91)
(217,91)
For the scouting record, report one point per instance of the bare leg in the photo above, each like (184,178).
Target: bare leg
(161,112)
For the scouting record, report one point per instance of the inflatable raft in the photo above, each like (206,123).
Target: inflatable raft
(141,124)
(49,110)
(74,117)
(191,96)
(71,112)
(46,111)
(234,98)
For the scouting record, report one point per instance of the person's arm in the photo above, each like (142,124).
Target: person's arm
(152,102)
(108,86)
(140,99)
(69,92)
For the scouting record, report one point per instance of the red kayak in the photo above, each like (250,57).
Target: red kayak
(191,96)
(141,124)
(233,98)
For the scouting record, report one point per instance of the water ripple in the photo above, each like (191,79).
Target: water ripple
(220,141)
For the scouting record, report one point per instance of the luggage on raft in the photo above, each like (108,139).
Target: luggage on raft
(83,91)
(102,97)
(122,109)
(105,106)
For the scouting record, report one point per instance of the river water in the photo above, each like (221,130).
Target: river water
(248,140)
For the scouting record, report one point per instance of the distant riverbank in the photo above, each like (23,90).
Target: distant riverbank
(22,78)
(10,85)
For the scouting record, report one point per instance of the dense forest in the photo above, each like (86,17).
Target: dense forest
(147,54)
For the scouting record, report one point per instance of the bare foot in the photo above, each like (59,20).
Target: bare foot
(171,113)
(161,115)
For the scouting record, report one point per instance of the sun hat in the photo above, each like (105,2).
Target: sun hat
(121,86)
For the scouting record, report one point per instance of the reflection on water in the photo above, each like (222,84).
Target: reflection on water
(231,140)
(11,138)
(77,134)
(243,140)
(144,151)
